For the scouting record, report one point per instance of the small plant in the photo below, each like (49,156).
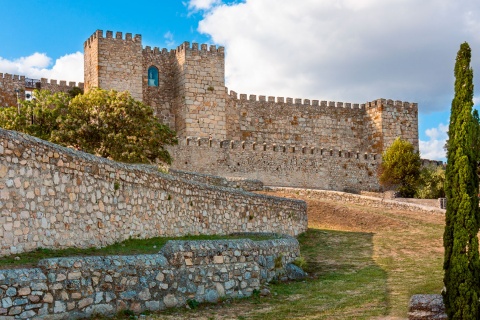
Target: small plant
(279,261)
(116,185)
(169,197)
(163,169)
(250,217)
(193,304)
(300,262)
(210,88)
(128,313)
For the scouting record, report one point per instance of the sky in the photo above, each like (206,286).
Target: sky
(335,50)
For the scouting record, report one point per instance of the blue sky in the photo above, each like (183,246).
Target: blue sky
(338,50)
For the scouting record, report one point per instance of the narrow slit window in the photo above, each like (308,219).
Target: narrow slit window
(153,76)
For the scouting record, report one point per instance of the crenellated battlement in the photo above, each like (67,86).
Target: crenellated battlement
(203,48)
(391,103)
(109,35)
(15,77)
(158,52)
(280,147)
(321,103)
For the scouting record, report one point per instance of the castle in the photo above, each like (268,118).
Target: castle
(281,141)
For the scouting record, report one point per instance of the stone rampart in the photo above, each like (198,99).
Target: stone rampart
(72,288)
(279,164)
(370,127)
(362,200)
(228,182)
(56,197)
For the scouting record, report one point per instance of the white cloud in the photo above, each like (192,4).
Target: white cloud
(345,50)
(169,40)
(38,65)
(433,148)
(197,5)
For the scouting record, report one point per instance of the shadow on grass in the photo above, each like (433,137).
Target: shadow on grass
(345,282)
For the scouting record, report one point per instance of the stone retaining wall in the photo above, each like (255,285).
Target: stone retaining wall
(72,288)
(56,197)
(359,199)
(228,182)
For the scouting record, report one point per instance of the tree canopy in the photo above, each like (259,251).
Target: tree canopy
(400,167)
(109,124)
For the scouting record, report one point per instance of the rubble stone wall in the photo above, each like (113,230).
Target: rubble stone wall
(279,164)
(228,182)
(56,197)
(73,288)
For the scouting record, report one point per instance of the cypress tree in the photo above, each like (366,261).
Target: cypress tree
(461,263)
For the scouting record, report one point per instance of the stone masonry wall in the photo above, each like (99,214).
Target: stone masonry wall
(72,288)
(201,90)
(9,83)
(114,63)
(388,120)
(301,122)
(363,200)
(279,164)
(370,127)
(55,197)
(228,182)
(160,97)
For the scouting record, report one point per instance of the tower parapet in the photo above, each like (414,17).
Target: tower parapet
(114,62)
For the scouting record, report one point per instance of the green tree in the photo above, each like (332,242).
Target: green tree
(461,263)
(113,125)
(431,183)
(37,117)
(400,167)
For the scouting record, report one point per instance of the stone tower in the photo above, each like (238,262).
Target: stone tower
(114,63)
(200,91)
(186,86)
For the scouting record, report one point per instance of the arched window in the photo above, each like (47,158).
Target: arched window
(153,76)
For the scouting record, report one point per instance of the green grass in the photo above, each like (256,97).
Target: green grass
(127,247)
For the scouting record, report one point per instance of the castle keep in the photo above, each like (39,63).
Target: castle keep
(282,141)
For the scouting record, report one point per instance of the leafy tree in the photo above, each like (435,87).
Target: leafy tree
(106,123)
(37,117)
(431,183)
(400,167)
(113,125)
(461,263)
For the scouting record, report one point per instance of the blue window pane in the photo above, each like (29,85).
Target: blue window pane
(152,77)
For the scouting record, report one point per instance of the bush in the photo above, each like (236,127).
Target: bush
(431,183)
(400,168)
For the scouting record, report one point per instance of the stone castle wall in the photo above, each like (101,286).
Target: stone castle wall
(349,126)
(114,62)
(9,83)
(279,164)
(73,288)
(55,197)
(162,97)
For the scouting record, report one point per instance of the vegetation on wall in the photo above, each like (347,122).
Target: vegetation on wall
(400,168)
(109,124)
(461,262)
